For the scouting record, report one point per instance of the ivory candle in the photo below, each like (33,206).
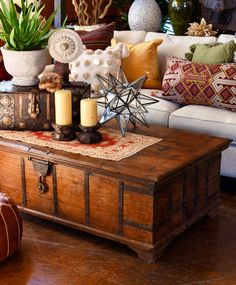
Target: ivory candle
(88,112)
(63,107)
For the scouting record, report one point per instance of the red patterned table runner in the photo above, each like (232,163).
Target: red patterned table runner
(113,146)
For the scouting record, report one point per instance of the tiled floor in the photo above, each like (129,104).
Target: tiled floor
(205,254)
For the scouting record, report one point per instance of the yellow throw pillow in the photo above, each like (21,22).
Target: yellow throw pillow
(142,59)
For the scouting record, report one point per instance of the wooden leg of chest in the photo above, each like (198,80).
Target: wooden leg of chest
(147,255)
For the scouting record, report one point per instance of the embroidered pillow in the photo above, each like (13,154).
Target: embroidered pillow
(142,60)
(102,62)
(204,84)
(99,38)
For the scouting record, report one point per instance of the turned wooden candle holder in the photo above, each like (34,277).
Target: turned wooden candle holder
(89,135)
(63,133)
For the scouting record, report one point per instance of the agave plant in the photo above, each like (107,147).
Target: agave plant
(24,29)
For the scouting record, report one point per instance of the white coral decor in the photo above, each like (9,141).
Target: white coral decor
(102,62)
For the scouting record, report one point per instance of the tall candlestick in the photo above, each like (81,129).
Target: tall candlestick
(63,107)
(88,112)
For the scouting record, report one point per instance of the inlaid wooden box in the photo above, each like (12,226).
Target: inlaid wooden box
(143,201)
(29,108)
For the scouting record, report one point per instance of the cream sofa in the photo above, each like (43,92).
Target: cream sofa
(203,119)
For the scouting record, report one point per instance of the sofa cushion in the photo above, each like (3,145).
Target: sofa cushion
(142,60)
(228,163)
(133,37)
(99,38)
(175,46)
(206,120)
(159,112)
(205,84)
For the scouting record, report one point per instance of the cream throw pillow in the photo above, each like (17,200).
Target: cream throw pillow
(102,62)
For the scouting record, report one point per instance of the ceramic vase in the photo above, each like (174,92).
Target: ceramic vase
(145,15)
(25,66)
(181,13)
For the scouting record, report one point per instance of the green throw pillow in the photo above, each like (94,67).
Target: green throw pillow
(212,53)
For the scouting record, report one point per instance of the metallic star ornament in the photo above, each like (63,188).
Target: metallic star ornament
(123,101)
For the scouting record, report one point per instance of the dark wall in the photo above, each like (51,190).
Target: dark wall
(112,14)
(49,7)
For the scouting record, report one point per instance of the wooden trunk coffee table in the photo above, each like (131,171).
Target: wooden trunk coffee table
(143,201)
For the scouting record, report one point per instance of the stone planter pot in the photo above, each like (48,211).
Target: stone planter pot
(25,66)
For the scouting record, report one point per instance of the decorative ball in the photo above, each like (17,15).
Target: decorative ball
(10,227)
(145,15)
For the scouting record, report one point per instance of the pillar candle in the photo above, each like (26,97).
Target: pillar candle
(88,112)
(63,107)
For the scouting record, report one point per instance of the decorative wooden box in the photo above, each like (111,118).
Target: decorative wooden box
(28,108)
(143,201)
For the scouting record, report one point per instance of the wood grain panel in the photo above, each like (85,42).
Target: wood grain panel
(161,206)
(138,234)
(138,208)
(213,175)
(70,193)
(10,181)
(176,202)
(35,200)
(103,203)
(202,185)
(190,185)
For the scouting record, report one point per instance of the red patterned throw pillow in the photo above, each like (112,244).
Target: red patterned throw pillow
(99,38)
(203,84)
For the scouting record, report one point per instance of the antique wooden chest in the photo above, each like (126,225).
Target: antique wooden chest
(143,201)
(28,108)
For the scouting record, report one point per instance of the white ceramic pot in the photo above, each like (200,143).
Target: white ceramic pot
(145,15)
(25,66)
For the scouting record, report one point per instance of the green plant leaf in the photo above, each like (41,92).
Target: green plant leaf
(13,15)
(48,24)
(12,40)
(25,29)
(4,9)
(5,24)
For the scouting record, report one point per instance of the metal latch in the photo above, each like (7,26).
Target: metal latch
(33,106)
(41,167)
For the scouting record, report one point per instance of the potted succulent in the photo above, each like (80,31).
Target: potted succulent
(25,33)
